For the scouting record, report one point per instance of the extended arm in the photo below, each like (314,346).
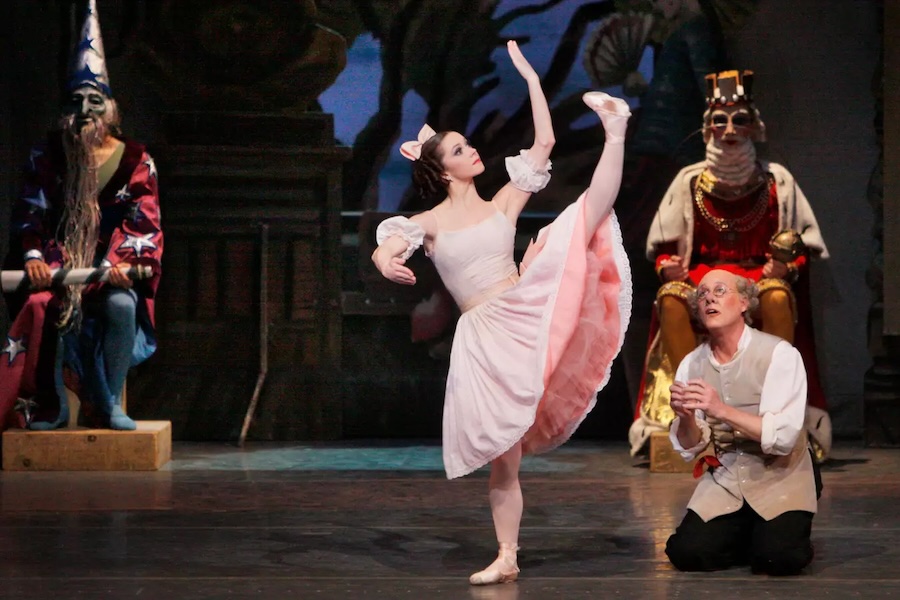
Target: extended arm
(540,111)
(511,199)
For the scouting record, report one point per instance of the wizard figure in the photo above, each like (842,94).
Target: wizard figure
(89,200)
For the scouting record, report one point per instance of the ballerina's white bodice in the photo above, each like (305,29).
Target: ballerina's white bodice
(476,263)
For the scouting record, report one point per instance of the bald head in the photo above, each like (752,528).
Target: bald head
(724,300)
(719,276)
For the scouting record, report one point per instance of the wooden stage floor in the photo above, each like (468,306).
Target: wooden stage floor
(379,520)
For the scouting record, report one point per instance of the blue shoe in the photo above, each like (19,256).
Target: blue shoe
(119,421)
(61,421)
(48,425)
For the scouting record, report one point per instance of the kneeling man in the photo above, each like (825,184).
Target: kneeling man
(744,392)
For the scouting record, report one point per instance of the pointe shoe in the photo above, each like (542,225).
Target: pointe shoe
(601,102)
(503,570)
(613,113)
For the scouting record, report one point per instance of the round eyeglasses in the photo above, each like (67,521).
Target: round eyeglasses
(718,291)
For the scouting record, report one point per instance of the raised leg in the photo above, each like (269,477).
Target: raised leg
(607,177)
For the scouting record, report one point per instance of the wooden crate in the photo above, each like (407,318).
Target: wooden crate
(664,458)
(146,449)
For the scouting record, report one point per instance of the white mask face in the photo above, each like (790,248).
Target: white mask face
(87,104)
(730,153)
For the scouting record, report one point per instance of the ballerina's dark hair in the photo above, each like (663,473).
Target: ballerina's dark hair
(428,170)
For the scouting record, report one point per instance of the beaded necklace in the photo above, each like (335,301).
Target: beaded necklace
(741,224)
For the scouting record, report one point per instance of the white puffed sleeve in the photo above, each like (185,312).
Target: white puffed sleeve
(524,175)
(410,231)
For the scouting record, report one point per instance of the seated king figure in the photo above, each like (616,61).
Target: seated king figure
(734,212)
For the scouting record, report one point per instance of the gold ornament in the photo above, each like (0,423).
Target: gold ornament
(740,224)
(787,246)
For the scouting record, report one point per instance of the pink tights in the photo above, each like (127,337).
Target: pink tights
(506,495)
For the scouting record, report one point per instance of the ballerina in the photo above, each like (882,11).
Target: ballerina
(534,343)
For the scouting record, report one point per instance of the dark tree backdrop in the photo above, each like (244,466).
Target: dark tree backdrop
(288,114)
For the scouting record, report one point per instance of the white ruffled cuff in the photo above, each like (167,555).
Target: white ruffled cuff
(524,175)
(411,232)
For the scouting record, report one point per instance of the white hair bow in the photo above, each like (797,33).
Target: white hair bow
(413,149)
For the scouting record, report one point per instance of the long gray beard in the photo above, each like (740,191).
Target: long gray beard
(81,216)
(731,165)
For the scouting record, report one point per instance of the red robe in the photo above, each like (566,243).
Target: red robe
(745,254)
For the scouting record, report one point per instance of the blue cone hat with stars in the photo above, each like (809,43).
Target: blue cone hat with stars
(89,62)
